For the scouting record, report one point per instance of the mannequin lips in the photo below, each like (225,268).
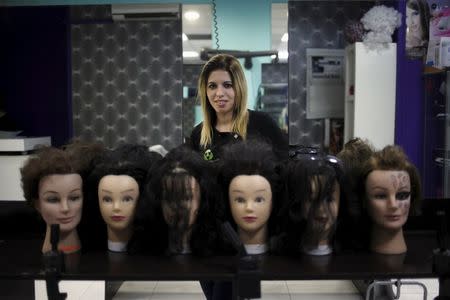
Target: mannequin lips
(393,218)
(117,218)
(250,219)
(65,220)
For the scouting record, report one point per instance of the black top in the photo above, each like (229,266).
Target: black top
(260,125)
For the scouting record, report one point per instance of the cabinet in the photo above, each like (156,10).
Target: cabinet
(436,151)
(370,87)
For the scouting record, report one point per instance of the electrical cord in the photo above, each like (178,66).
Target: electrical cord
(216,29)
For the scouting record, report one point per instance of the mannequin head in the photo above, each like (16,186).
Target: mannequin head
(417,22)
(52,183)
(179,199)
(315,187)
(390,187)
(251,184)
(115,187)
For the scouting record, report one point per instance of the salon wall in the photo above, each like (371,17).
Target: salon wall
(126,79)
(313,24)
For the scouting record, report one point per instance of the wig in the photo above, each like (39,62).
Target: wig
(127,159)
(169,187)
(390,158)
(74,158)
(251,157)
(231,65)
(311,180)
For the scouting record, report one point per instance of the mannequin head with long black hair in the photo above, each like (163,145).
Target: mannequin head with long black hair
(179,198)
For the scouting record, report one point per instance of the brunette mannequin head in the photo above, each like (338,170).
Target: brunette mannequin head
(389,191)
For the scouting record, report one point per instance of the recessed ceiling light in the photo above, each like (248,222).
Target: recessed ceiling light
(191,15)
(184,36)
(190,54)
(285,37)
(283,54)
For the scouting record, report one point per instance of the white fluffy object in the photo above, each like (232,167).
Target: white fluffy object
(380,22)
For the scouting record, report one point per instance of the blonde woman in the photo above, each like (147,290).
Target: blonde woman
(222,91)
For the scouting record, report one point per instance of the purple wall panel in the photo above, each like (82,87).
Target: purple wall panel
(409,115)
(35,71)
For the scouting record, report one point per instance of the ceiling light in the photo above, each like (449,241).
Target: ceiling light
(191,15)
(285,37)
(184,36)
(283,54)
(190,54)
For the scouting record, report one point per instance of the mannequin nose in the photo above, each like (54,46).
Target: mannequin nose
(249,206)
(392,202)
(116,205)
(64,205)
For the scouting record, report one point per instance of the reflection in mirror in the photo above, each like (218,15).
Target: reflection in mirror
(266,80)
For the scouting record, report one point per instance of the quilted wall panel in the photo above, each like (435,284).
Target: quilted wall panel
(313,24)
(127,81)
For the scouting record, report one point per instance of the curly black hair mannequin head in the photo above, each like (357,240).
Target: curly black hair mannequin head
(243,160)
(126,162)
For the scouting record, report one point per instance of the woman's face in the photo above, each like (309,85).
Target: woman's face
(61,200)
(414,27)
(118,196)
(388,198)
(326,214)
(250,198)
(192,203)
(220,92)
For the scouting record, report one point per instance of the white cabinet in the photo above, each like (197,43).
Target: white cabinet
(370,87)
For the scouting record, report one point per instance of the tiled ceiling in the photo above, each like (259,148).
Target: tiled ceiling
(199,32)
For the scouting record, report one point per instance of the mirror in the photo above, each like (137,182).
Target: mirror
(267,81)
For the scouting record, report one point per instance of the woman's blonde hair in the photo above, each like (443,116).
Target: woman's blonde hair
(230,64)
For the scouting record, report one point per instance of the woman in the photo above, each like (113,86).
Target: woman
(52,182)
(389,187)
(417,33)
(222,90)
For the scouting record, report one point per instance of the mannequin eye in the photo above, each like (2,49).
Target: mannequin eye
(107,199)
(379,196)
(239,200)
(259,199)
(127,199)
(403,195)
(74,197)
(52,199)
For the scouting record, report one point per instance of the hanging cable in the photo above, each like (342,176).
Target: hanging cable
(216,29)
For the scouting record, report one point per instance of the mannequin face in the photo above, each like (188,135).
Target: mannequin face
(327,212)
(61,200)
(414,27)
(250,198)
(220,92)
(118,196)
(388,198)
(192,203)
